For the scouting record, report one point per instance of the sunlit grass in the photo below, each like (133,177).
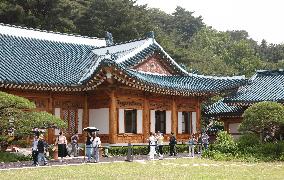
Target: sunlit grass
(165,169)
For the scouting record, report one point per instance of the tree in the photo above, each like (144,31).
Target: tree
(52,15)
(263,117)
(18,117)
(122,18)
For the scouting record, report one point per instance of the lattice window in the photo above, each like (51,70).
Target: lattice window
(71,118)
(72,121)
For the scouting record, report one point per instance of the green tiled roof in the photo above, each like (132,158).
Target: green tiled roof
(221,109)
(264,86)
(47,63)
(191,83)
(25,60)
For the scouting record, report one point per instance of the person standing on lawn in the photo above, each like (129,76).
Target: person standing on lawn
(199,144)
(89,146)
(96,145)
(42,147)
(160,142)
(173,142)
(61,141)
(152,141)
(205,140)
(191,143)
(35,150)
(74,143)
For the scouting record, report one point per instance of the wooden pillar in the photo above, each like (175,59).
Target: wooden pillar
(112,118)
(198,115)
(85,122)
(226,126)
(51,131)
(174,117)
(146,120)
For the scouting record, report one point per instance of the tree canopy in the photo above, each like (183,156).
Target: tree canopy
(263,117)
(18,114)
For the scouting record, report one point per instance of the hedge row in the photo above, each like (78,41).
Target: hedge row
(13,157)
(143,150)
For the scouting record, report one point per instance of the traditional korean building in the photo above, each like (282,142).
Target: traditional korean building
(264,86)
(127,90)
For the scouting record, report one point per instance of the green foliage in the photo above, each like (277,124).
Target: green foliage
(37,120)
(122,18)
(19,114)
(247,148)
(13,157)
(247,140)
(55,15)
(21,143)
(8,101)
(144,150)
(263,117)
(224,143)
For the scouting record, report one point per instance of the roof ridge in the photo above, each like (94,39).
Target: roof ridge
(51,41)
(51,32)
(120,43)
(269,72)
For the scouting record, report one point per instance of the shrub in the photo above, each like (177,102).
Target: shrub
(13,157)
(21,143)
(248,140)
(224,143)
(143,150)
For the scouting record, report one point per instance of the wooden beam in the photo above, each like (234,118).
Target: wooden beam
(146,119)
(112,118)
(174,117)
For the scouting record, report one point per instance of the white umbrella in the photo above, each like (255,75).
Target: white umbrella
(91,129)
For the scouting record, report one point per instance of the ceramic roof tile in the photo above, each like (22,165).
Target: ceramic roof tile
(221,109)
(264,86)
(27,60)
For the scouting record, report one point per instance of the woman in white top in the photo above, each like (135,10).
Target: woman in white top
(152,143)
(96,145)
(61,141)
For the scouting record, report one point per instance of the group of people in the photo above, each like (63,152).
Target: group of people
(199,140)
(156,143)
(93,143)
(40,147)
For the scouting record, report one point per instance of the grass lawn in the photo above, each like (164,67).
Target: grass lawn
(164,169)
